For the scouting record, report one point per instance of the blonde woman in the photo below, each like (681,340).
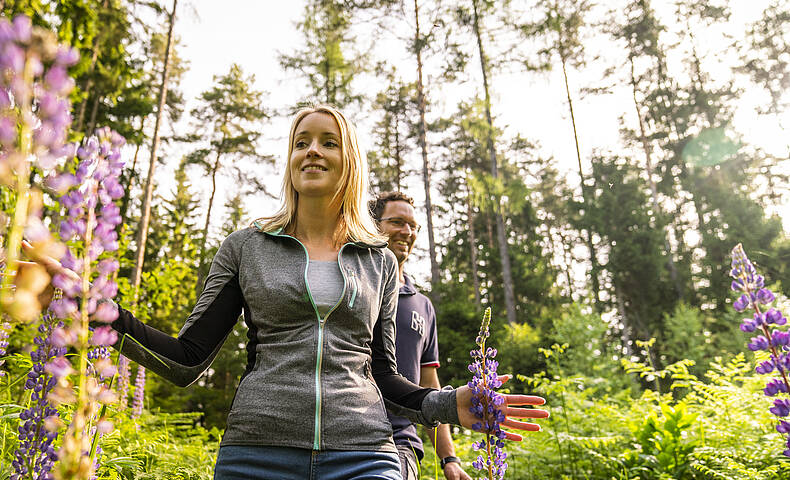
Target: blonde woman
(318,288)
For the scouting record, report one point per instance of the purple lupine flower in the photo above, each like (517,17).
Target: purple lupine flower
(765,367)
(765,296)
(775,317)
(758,343)
(741,304)
(139,392)
(774,341)
(779,338)
(35,454)
(781,407)
(774,387)
(485,403)
(748,326)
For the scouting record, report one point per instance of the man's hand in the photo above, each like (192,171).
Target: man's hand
(453,471)
(509,408)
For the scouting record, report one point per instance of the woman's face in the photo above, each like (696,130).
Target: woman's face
(316,161)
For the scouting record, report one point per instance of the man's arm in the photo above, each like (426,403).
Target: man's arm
(440,436)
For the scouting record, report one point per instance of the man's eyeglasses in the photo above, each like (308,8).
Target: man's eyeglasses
(398,222)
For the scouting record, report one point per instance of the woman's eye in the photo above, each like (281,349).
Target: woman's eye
(301,144)
(331,144)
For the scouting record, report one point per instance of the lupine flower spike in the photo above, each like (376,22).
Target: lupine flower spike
(123,382)
(34,119)
(35,453)
(88,195)
(485,405)
(764,321)
(5,329)
(139,392)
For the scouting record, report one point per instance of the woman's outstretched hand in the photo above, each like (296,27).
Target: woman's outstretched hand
(509,408)
(50,264)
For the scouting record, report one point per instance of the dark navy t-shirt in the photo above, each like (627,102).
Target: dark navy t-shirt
(415,347)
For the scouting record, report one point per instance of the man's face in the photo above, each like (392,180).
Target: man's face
(398,223)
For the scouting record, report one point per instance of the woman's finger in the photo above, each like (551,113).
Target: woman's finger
(524,400)
(525,412)
(515,437)
(52,265)
(530,427)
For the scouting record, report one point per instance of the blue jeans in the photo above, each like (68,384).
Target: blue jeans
(236,462)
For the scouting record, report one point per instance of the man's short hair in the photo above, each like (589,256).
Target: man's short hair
(377,206)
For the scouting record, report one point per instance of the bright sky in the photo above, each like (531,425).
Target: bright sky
(250,33)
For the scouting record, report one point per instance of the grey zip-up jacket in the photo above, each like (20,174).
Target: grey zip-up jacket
(311,382)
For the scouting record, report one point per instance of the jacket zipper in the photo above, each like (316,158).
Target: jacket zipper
(354,291)
(321,323)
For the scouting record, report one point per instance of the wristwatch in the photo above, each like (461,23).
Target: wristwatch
(447,460)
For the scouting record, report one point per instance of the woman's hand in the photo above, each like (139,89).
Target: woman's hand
(509,408)
(50,264)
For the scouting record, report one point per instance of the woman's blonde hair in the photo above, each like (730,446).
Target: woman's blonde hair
(356,223)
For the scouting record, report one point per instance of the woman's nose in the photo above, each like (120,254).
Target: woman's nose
(313,150)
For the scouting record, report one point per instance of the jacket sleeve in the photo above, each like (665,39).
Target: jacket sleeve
(426,406)
(183,360)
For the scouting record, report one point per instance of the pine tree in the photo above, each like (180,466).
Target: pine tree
(641,30)
(560,26)
(142,233)
(764,61)
(327,60)
(393,135)
(229,117)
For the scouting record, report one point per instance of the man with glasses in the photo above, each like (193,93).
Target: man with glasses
(416,347)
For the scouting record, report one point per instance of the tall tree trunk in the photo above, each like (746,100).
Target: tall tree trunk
(673,271)
(94,113)
(567,257)
(142,234)
(426,170)
(330,98)
(470,216)
(585,196)
(204,242)
(504,255)
(398,169)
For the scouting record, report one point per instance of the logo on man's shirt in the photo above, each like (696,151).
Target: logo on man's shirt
(417,323)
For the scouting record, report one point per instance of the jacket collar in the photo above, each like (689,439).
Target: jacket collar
(408,287)
(278,233)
